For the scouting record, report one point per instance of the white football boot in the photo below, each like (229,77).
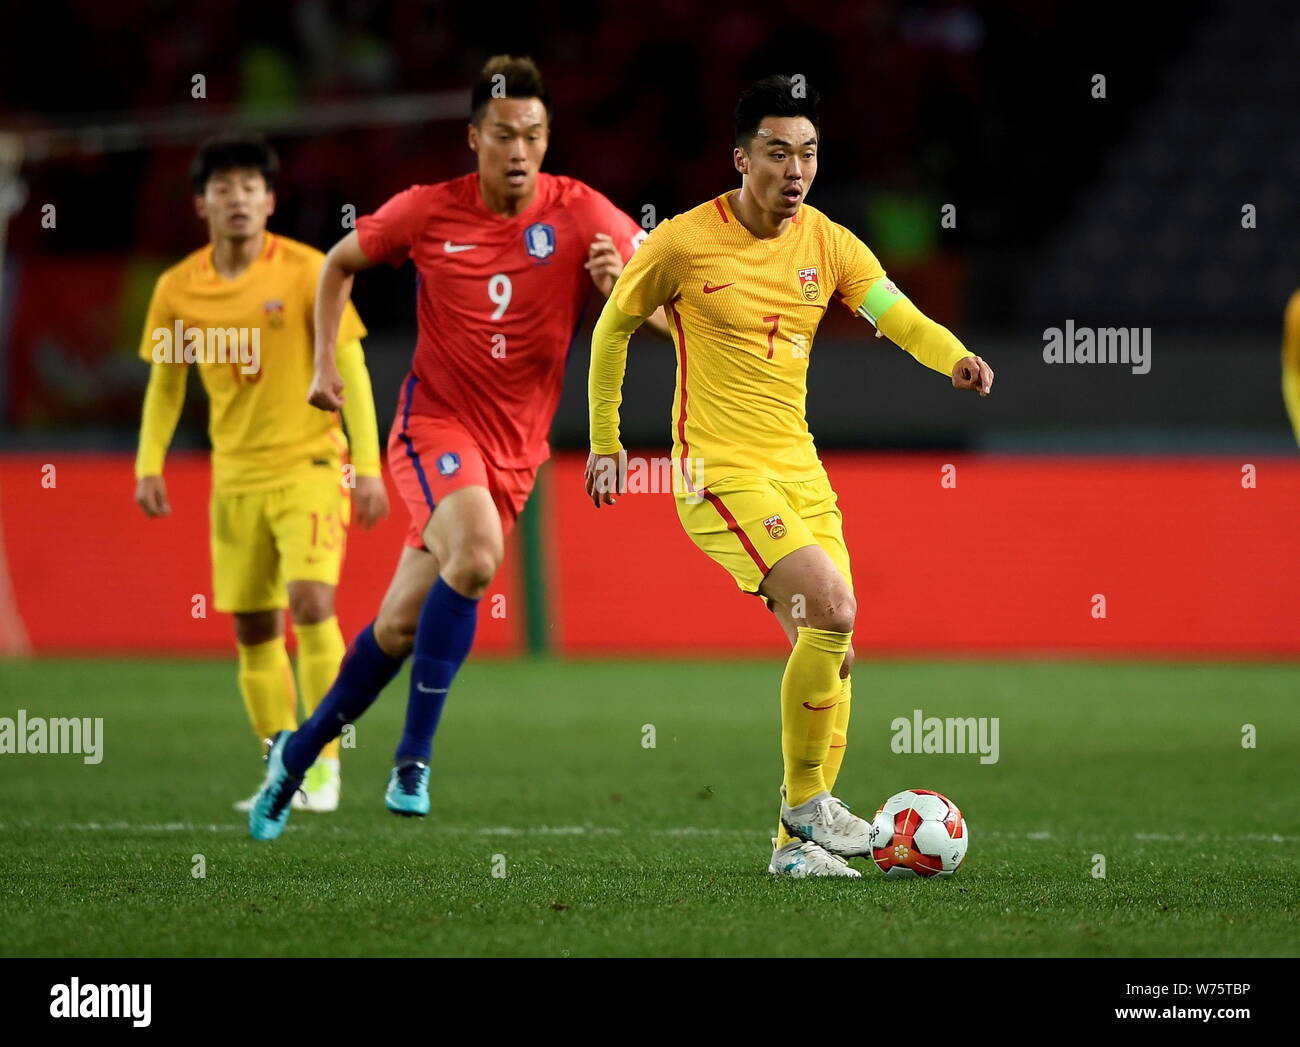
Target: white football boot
(299,803)
(319,792)
(830,824)
(320,789)
(800,858)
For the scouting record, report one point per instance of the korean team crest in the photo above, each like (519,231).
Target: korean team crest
(808,284)
(539,240)
(273,310)
(775,527)
(448,463)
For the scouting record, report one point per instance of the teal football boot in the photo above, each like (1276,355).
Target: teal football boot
(271,805)
(408,789)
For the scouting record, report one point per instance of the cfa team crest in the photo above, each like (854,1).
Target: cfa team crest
(539,240)
(775,527)
(448,463)
(273,310)
(808,284)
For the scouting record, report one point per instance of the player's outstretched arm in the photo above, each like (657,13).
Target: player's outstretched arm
(163,399)
(931,343)
(604,263)
(369,498)
(333,289)
(606,473)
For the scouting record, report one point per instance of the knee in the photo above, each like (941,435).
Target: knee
(311,605)
(256,627)
(395,634)
(835,611)
(840,619)
(470,570)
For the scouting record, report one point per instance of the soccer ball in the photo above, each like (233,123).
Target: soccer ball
(919,833)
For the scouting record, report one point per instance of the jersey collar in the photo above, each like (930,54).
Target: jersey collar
(723,204)
(540,199)
(270,246)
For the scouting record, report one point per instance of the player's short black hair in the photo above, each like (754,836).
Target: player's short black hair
(505,76)
(775,95)
(233,149)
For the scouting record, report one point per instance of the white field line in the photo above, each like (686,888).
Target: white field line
(676,831)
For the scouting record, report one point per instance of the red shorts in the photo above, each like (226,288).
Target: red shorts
(431,457)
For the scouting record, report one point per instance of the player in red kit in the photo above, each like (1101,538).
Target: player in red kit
(505,259)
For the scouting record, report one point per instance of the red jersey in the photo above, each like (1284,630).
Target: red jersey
(499,301)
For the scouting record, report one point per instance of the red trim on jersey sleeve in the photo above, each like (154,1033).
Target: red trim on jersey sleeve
(681,413)
(717,202)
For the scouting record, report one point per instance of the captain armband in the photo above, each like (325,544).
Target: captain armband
(882,296)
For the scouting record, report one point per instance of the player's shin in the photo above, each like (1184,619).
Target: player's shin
(810,696)
(839,735)
(364,672)
(266,684)
(443,639)
(320,651)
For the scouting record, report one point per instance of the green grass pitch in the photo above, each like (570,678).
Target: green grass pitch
(611,848)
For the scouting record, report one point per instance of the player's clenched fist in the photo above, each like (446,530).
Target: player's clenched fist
(606,476)
(151,496)
(973,373)
(326,389)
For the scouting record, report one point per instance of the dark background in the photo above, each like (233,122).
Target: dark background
(1116,211)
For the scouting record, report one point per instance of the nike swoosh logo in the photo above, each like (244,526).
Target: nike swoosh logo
(719,287)
(819,708)
(429,690)
(451,248)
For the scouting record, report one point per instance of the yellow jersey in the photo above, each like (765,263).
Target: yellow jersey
(252,339)
(743,313)
(1291,362)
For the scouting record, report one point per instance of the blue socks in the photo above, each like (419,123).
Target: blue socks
(442,642)
(364,672)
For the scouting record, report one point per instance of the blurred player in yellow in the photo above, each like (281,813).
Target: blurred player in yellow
(746,279)
(241,309)
(1291,362)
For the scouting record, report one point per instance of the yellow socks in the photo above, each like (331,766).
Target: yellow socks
(266,678)
(320,650)
(835,751)
(839,735)
(810,694)
(266,682)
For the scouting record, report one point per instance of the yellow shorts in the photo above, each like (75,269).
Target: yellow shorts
(263,539)
(747,523)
